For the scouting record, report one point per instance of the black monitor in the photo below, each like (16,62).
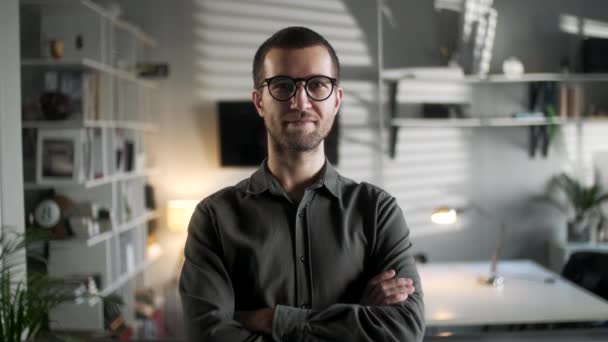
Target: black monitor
(243,135)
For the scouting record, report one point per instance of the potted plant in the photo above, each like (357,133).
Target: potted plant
(582,205)
(28,294)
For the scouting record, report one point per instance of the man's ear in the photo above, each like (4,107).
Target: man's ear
(339,94)
(256,97)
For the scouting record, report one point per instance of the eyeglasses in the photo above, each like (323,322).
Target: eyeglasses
(283,88)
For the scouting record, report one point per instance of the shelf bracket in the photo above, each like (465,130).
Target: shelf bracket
(392,110)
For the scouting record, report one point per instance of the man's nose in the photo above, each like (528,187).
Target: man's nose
(300,100)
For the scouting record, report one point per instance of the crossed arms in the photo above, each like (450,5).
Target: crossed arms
(383,289)
(390,308)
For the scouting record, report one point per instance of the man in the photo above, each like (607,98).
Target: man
(297,252)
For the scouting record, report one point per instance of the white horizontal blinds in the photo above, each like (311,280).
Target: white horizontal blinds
(414,91)
(357,149)
(593,143)
(453,5)
(230,31)
(431,164)
(432,167)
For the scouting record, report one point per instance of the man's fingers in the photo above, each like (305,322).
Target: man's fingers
(385,289)
(382,276)
(380,294)
(397,296)
(376,280)
(394,299)
(388,287)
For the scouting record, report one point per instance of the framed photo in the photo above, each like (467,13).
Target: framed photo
(60,156)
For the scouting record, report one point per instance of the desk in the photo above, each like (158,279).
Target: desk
(531,294)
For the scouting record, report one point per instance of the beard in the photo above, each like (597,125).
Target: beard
(298,140)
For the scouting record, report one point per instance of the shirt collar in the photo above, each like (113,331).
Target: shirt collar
(262,180)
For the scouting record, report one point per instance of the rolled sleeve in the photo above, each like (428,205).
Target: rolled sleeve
(286,319)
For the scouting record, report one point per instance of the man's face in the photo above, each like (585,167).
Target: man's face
(300,123)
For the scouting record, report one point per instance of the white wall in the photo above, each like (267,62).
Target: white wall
(210,48)
(494,168)
(11,179)
(500,175)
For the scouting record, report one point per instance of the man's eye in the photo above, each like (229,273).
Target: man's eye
(282,86)
(317,85)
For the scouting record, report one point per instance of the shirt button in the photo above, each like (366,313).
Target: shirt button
(302,259)
(305,306)
(301,214)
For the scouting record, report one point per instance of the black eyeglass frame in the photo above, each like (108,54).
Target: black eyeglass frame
(267,81)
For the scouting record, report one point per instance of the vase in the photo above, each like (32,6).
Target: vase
(579,230)
(56,48)
(602,232)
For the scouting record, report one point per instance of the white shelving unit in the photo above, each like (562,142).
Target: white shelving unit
(493,121)
(409,74)
(137,126)
(89,64)
(110,109)
(459,89)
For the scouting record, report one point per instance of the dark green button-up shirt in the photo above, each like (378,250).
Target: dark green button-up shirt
(250,247)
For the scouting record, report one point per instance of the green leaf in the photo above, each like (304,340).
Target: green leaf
(580,198)
(602,198)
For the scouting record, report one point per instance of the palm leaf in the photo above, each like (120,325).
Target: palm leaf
(602,198)
(24,303)
(580,198)
(551,201)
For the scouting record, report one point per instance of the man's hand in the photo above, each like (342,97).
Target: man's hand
(385,289)
(257,320)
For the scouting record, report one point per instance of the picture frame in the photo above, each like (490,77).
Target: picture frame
(60,156)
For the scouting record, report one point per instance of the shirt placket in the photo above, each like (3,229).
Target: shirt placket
(301,246)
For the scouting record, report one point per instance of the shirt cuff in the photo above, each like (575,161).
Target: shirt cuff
(285,319)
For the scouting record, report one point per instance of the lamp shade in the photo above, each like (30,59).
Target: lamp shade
(444,215)
(179,213)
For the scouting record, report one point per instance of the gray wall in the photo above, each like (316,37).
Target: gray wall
(502,177)
(498,174)
(11,180)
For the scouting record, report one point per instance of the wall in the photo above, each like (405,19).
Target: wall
(501,176)
(492,166)
(11,184)
(211,60)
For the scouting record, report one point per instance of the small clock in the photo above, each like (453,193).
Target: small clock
(47,214)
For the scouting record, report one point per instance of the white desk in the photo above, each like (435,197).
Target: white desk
(453,296)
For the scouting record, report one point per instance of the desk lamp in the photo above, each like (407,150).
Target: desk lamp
(449,215)
(178,217)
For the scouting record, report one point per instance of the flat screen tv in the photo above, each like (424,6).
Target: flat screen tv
(243,135)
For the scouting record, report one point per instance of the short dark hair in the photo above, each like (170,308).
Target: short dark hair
(294,37)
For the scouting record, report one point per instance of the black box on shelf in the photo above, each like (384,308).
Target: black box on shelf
(595,55)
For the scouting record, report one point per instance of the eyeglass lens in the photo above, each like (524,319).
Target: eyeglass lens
(318,88)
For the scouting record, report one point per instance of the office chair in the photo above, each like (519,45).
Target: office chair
(588,270)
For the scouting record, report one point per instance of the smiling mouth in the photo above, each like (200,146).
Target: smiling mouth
(301,121)
(298,123)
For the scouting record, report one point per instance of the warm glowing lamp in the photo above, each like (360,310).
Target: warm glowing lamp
(444,215)
(448,215)
(179,213)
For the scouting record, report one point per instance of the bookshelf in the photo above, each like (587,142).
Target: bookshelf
(87,121)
